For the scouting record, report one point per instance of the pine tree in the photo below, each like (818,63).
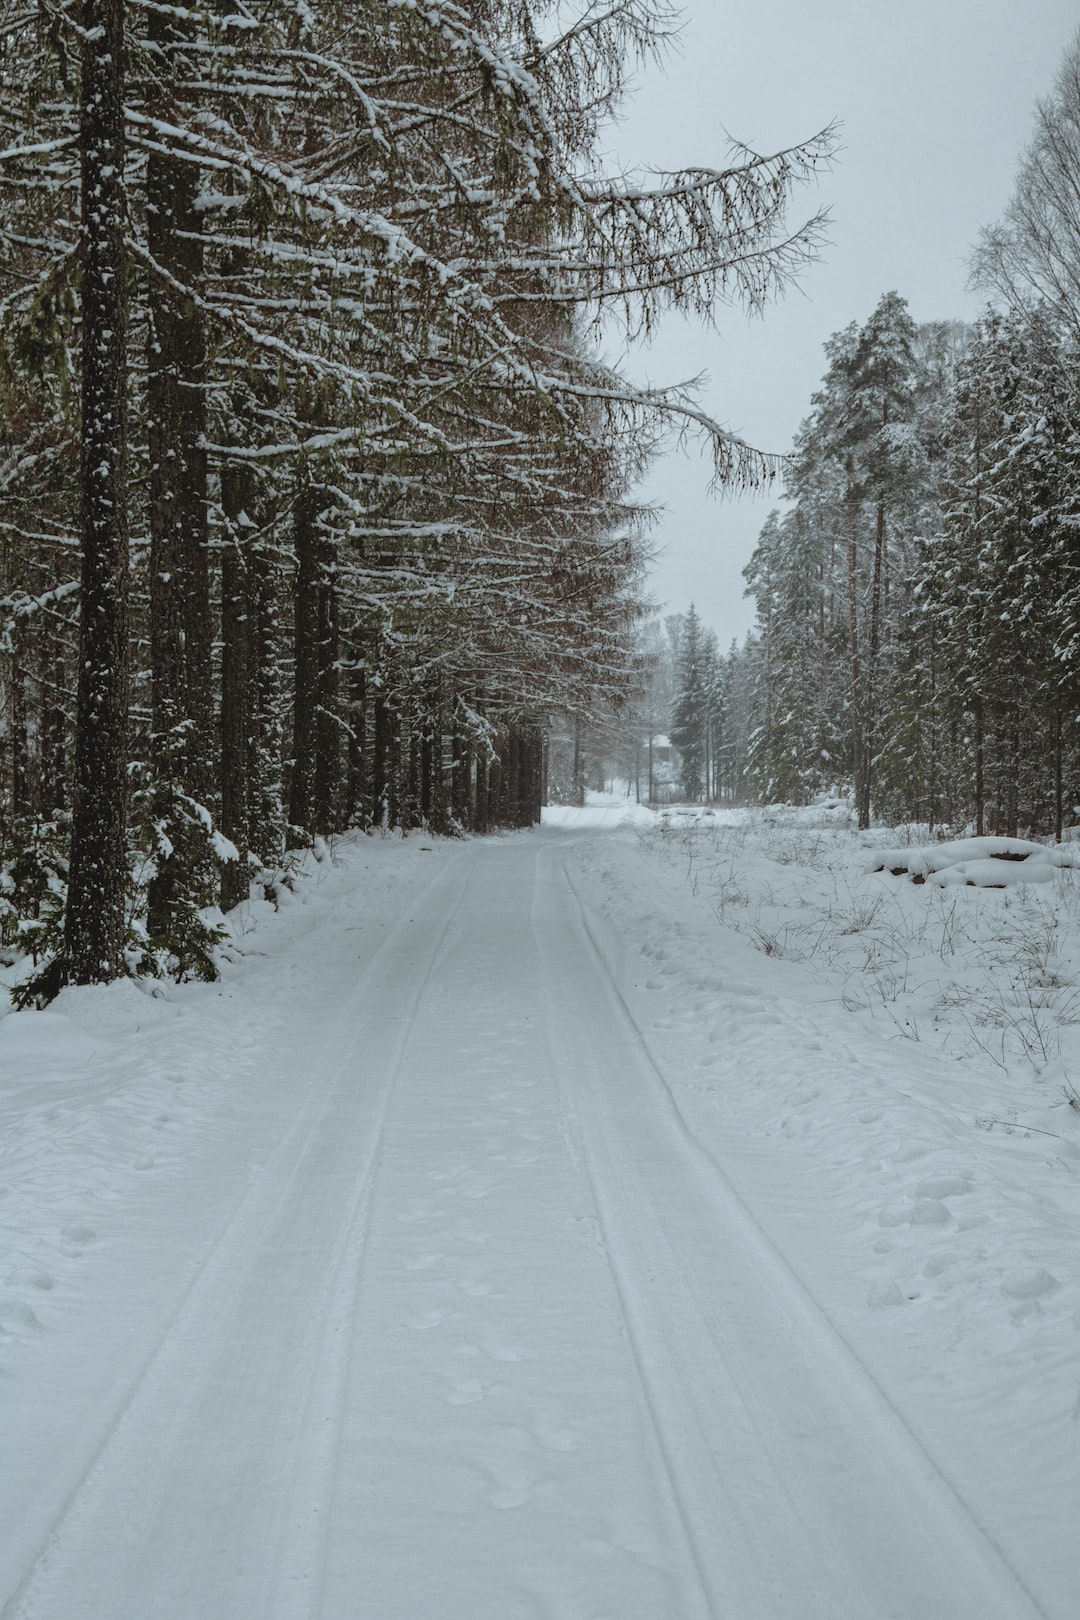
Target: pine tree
(690,707)
(94,933)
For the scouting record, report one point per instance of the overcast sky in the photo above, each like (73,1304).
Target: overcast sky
(935,98)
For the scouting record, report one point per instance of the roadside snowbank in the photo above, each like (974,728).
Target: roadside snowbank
(976,863)
(888,1076)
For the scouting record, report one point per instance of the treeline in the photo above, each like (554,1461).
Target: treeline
(315,496)
(918,599)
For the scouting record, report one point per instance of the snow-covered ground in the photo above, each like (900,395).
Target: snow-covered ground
(645,1218)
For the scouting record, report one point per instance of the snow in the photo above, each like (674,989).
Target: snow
(640,1217)
(976,862)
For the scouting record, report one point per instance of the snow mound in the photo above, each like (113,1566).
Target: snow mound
(993,874)
(980,863)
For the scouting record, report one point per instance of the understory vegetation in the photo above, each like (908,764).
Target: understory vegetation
(972,970)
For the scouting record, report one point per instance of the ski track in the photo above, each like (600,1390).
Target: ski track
(491,1337)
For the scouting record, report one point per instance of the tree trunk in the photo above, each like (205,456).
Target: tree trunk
(356,809)
(305,669)
(94,924)
(384,763)
(181,626)
(579,773)
(54,744)
(980,774)
(460,780)
(329,734)
(859,741)
(264,769)
(20,752)
(237,492)
(482,800)
(1059,796)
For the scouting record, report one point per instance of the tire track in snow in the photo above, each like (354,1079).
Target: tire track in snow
(645,1230)
(121,1445)
(315,1471)
(702,1501)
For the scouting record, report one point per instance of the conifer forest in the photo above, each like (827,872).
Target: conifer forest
(317,491)
(918,594)
(316,496)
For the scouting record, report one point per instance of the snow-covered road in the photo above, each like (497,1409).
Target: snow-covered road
(442,1312)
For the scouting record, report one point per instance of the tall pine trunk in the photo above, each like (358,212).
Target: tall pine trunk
(181,636)
(266,823)
(97,889)
(237,490)
(305,668)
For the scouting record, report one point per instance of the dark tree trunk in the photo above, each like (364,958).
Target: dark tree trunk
(97,889)
(181,627)
(264,770)
(182,742)
(20,751)
(980,773)
(482,797)
(410,808)
(385,762)
(356,809)
(302,786)
(428,742)
(579,770)
(1059,778)
(237,494)
(459,780)
(329,733)
(55,739)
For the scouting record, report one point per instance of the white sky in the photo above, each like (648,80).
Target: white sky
(935,98)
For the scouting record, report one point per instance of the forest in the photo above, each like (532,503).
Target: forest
(316,494)
(918,594)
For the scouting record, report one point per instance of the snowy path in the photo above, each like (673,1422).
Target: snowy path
(488,1337)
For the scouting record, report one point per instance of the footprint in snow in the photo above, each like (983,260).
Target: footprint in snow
(554,1439)
(512,1491)
(17,1320)
(504,1352)
(423,1320)
(76,1233)
(1031,1283)
(466,1392)
(31,1277)
(943,1187)
(884,1296)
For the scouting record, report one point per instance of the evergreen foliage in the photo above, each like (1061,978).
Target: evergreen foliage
(304,432)
(917,604)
